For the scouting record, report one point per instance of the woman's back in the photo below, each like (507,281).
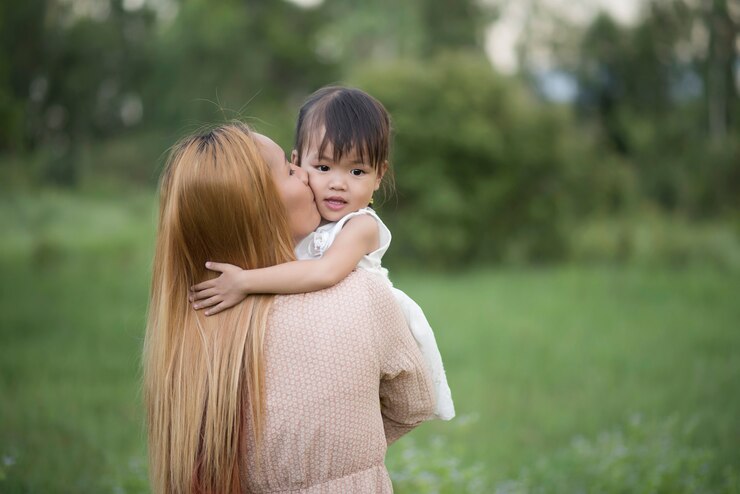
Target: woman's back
(334,360)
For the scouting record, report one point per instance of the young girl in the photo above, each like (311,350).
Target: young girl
(342,141)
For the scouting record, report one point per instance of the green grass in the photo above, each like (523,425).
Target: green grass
(540,361)
(543,356)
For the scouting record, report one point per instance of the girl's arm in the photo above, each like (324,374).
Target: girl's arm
(358,237)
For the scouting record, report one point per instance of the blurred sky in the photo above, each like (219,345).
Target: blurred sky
(503,35)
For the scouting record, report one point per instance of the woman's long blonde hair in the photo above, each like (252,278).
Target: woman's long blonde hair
(217,202)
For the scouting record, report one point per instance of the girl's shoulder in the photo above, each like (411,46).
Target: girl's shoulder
(320,240)
(384,234)
(360,212)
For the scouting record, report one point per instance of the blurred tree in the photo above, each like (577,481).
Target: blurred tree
(257,52)
(21,59)
(95,84)
(75,76)
(657,91)
(483,171)
(76,72)
(723,26)
(605,64)
(454,25)
(355,32)
(95,65)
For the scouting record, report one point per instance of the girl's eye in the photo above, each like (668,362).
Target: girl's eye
(292,171)
(322,168)
(357,172)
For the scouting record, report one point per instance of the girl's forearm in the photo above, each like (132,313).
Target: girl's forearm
(359,236)
(291,277)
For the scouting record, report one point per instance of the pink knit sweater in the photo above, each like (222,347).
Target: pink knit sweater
(343,379)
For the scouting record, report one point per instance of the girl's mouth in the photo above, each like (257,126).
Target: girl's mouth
(335,203)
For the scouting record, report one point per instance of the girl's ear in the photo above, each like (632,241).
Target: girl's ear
(381,172)
(294,158)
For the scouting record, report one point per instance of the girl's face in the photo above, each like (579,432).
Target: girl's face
(292,184)
(340,187)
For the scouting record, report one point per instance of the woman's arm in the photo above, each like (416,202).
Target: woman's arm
(406,388)
(406,393)
(358,237)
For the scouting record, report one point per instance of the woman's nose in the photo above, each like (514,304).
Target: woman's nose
(302,174)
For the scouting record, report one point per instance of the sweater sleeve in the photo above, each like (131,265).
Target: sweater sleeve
(406,391)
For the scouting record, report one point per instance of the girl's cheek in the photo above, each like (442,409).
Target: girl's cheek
(311,185)
(315,195)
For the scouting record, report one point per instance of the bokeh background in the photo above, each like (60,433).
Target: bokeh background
(566,209)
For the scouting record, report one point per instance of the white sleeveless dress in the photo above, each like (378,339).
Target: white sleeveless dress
(314,246)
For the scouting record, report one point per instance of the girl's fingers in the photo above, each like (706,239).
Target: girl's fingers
(207,302)
(202,286)
(203,294)
(217,266)
(217,309)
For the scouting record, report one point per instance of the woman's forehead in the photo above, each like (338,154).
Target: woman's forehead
(271,152)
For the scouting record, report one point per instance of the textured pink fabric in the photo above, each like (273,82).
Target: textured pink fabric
(343,379)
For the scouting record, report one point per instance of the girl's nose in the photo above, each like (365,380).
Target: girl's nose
(337,183)
(301,173)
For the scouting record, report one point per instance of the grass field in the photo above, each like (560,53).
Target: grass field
(555,371)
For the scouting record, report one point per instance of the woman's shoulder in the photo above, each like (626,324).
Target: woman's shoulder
(359,291)
(359,307)
(359,281)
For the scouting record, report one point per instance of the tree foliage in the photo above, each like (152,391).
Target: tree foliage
(486,170)
(663,96)
(483,172)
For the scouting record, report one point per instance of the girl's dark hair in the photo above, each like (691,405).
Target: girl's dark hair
(352,119)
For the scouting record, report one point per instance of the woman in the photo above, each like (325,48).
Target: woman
(279,393)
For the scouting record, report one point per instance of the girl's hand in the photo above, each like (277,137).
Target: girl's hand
(222,292)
